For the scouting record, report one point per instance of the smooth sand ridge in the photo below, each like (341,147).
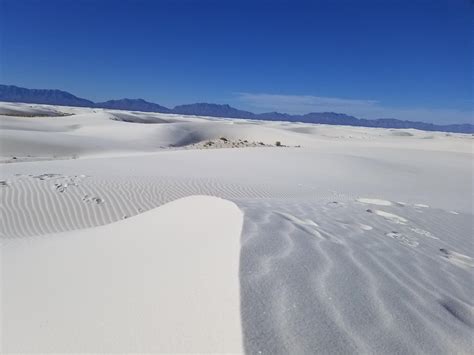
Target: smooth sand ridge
(163,281)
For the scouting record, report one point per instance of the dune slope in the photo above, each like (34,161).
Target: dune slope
(163,281)
(338,278)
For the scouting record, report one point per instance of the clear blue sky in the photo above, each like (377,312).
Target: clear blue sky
(405,59)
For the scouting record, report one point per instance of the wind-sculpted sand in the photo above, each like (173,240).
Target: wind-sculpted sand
(323,282)
(50,203)
(342,240)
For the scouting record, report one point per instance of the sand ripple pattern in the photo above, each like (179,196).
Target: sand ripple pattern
(46,203)
(315,276)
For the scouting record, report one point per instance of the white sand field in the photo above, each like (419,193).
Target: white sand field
(131,232)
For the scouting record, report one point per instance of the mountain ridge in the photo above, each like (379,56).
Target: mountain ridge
(12,93)
(132,105)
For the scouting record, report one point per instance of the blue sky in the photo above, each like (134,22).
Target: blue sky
(375,58)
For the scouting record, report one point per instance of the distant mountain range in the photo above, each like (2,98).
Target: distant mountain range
(11,93)
(213,110)
(133,105)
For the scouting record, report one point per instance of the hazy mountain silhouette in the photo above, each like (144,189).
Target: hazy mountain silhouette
(133,105)
(11,93)
(214,110)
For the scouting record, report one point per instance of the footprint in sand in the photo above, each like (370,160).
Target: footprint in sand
(402,239)
(457,258)
(60,187)
(93,199)
(46,176)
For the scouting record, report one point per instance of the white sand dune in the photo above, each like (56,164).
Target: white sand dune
(32,110)
(89,132)
(330,260)
(164,281)
(331,285)
(126,186)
